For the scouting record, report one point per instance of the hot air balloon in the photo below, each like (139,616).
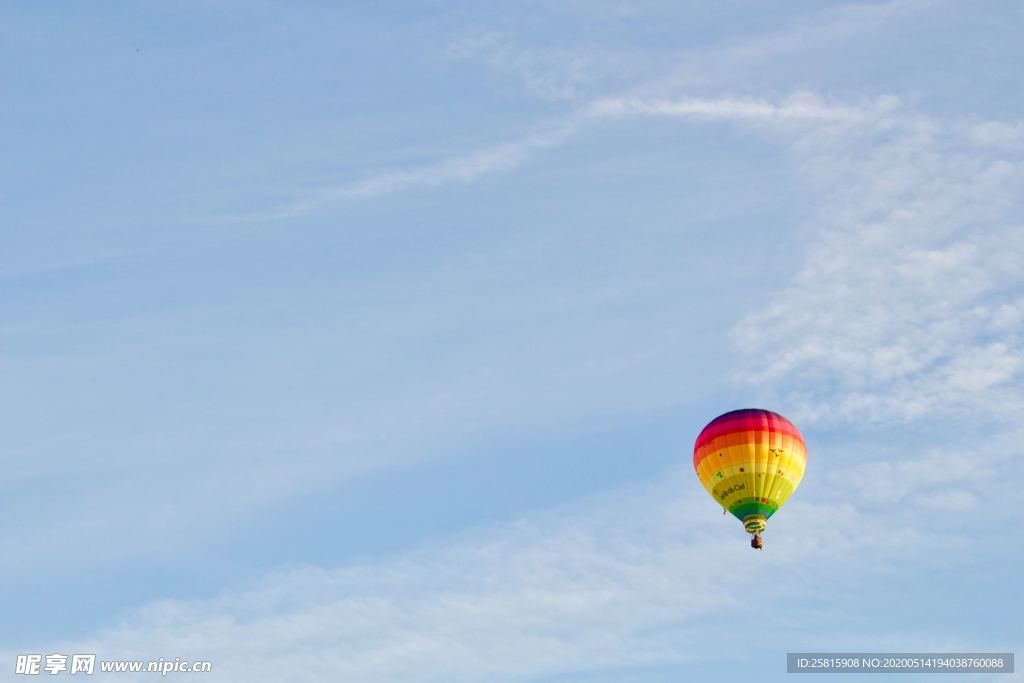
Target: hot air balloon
(750,461)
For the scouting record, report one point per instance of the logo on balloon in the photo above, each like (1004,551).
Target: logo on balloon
(731,489)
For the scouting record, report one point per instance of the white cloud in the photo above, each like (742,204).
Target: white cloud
(460,168)
(904,302)
(560,74)
(1000,134)
(646,576)
(798,107)
(892,478)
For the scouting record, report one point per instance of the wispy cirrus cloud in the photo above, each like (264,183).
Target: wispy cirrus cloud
(462,168)
(910,289)
(907,302)
(559,74)
(624,580)
(1005,135)
(800,107)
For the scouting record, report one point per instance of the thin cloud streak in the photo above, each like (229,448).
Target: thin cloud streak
(463,168)
(799,107)
(509,155)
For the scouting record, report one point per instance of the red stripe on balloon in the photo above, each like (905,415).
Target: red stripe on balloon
(772,425)
(750,425)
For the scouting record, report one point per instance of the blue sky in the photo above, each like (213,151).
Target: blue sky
(370,343)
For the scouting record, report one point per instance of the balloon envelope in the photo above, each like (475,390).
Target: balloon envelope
(750,461)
